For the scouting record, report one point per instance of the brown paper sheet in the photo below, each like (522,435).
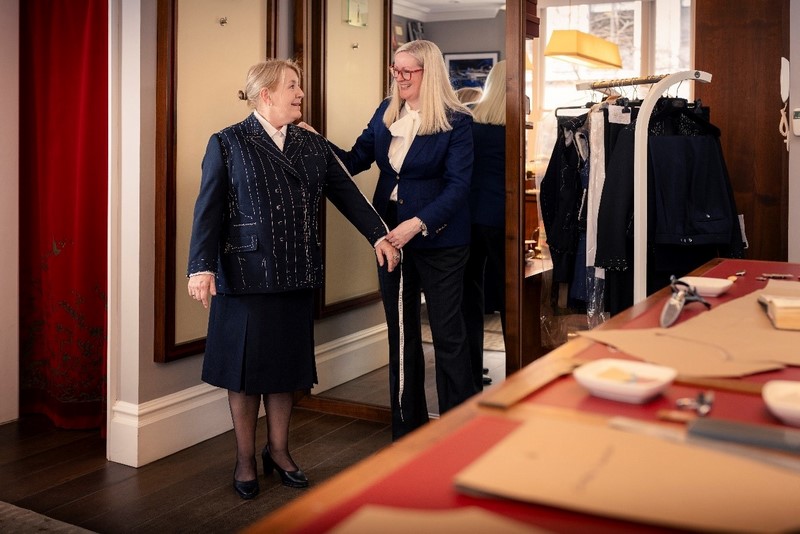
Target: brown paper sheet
(732,339)
(385,520)
(599,470)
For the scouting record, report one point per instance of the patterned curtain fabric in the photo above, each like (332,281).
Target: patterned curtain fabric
(63,207)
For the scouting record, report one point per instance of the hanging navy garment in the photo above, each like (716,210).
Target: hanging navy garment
(560,196)
(692,215)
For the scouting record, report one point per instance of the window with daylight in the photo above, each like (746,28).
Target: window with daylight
(654,37)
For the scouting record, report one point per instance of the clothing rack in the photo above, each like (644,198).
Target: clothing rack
(662,83)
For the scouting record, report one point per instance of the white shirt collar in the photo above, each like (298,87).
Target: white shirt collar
(271,130)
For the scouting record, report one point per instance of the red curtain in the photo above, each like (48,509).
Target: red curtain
(63,207)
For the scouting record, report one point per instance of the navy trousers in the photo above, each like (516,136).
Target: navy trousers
(439,274)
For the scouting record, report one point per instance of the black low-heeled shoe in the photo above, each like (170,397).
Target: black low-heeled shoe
(246,489)
(292,479)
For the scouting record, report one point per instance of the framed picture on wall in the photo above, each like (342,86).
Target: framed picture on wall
(469,70)
(398,35)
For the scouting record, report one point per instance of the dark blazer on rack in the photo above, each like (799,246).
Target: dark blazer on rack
(433,183)
(256,219)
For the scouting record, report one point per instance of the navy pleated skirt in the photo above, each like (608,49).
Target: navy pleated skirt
(261,343)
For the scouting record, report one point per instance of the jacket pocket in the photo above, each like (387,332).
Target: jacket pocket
(240,243)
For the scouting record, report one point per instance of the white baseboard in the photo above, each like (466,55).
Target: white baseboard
(140,434)
(351,356)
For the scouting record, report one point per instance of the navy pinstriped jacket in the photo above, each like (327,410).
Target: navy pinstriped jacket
(256,219)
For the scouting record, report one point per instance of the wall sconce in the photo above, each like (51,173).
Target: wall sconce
(355,12)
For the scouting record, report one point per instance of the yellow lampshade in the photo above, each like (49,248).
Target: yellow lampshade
(584,49)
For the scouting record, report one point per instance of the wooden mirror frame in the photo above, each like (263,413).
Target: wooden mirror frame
(522,336)
(165,348)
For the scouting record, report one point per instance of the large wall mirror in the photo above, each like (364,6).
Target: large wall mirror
(195,69)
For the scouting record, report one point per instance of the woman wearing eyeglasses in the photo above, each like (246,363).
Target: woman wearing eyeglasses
(421,139)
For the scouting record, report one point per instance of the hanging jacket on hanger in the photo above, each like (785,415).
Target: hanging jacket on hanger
(560,196)
(691,211)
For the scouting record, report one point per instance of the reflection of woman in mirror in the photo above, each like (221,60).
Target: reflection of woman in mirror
(421,140)
(487,201)
(255,248)
(469,95)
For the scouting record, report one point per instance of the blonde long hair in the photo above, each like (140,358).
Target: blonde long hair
(491,108)
(436,93)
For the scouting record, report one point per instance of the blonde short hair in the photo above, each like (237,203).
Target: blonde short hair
(267,74)
(436,94)
(491,108)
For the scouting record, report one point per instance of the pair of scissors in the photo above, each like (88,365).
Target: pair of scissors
(682,293)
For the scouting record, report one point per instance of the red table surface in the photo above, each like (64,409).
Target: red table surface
(566,393)
(425,483)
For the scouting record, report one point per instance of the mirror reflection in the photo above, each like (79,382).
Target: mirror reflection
(471,36)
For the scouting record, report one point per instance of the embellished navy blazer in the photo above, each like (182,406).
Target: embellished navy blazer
(256,219)
(433,183)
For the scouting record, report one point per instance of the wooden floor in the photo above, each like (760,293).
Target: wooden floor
(373,387)
(64,475)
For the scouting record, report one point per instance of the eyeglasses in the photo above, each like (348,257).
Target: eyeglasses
(402,74)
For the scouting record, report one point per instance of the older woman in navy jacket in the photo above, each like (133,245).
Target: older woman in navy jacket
(421,140)
(255,246)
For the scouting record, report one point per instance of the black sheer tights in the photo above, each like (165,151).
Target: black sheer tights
(244,412)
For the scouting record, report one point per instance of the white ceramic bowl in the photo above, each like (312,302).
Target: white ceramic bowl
(624,380)
(783,400)
(708,287)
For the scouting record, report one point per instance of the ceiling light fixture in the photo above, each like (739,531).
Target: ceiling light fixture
(584,49)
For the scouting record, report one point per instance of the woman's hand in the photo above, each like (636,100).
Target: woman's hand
(403,233)
(202,287)
(306,126)
(387,254)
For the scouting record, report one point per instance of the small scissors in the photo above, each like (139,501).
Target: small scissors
(681,294)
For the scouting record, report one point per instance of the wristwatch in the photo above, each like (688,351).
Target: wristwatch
(422,228)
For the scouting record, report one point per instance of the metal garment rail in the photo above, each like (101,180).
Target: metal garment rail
(662,83)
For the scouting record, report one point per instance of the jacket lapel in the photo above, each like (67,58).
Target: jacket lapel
(293,146)
(417,146)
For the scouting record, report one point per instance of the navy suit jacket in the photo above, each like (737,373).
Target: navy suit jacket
(488,193)
(433,183)
(256,219)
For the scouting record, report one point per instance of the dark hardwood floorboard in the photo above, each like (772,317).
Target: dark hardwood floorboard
(64,475)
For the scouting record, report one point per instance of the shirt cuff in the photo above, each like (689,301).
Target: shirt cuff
(202,272)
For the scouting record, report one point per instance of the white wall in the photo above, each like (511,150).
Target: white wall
(9,209)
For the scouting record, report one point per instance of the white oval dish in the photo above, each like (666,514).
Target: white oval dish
(708,287)
(624,380)
(783,400)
